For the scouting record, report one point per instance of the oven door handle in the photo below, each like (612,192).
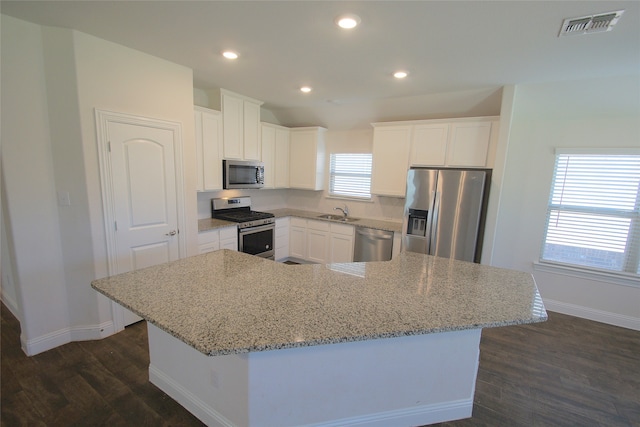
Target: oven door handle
(256,228)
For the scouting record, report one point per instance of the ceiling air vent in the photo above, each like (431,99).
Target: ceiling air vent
(590,24)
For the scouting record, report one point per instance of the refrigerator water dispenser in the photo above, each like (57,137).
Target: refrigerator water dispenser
(417,224)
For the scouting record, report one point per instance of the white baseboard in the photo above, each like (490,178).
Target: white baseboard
(188,400)
(421,415)
(428,414)
(63,336)
(593,314)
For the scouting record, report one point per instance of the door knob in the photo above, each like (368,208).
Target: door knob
(171,233)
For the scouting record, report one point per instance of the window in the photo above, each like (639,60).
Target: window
(593,217)
(350,175)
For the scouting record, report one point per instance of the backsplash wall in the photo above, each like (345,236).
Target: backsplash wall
(385,208)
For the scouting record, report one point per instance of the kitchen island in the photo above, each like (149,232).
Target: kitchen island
(243,341)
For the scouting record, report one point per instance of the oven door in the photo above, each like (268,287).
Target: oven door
(257,240)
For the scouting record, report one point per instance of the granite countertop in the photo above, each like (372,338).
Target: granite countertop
(228,302)
(208,224)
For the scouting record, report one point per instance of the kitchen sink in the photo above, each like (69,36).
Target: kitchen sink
(340,218)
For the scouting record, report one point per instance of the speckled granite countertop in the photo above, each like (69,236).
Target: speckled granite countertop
(227,302)
(207,224)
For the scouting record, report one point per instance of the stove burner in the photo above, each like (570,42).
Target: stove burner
(239,215)
(238,209)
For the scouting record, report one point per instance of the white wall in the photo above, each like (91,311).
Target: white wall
(52,80)
(31,223)
(592,113)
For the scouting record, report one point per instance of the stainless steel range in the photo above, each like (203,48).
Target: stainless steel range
(255,229)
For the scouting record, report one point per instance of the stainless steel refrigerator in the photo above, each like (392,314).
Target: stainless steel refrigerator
(444,212)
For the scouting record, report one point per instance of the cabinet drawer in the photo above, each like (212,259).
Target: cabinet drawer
(228,233)
(318,225)
(282,223)
(298,222)
(209,247)
(208,237)
(347,230)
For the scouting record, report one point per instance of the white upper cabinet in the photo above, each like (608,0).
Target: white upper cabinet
(459,143)
(283,137)
(469,144)
(391,146)
(241,125)
(251,127)
(453,143)
(275,155)
(208,132)
(307,158)
(429,145)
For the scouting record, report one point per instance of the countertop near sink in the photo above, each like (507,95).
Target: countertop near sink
(360,222)
(208,224)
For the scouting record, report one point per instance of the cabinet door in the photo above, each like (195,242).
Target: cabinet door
(233,126)
(306,155)
(229,238)
(469,144)
(212,151)
(341,243)
(302,152)
(268,155)
(281,239)
(429,145)
(197,122)
(391,146)
(208,247)
(251,131)
(298,238)
(317,245)
(281,158)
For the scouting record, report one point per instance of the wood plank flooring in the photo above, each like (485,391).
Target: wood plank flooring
(564,372)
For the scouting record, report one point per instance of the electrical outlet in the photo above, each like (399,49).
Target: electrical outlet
(215,378)
(63,198)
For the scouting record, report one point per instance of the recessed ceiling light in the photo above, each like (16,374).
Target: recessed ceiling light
(230,54)
(305,89)
(348,21)
(400,74)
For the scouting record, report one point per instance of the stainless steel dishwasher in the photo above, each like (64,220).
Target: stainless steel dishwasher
(372,245)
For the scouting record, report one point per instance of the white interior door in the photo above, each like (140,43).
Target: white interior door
(144,199)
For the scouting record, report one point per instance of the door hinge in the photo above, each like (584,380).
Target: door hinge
(115,225)
(109,146)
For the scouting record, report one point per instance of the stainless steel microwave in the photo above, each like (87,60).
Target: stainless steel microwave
(242,174)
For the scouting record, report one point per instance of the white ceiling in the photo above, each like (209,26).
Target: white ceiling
(458,53)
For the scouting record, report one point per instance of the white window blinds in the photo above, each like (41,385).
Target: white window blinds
(593,217)
(350,175)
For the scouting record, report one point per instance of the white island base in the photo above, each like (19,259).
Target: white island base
(401,381)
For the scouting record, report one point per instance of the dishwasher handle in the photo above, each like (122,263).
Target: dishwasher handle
(374,235)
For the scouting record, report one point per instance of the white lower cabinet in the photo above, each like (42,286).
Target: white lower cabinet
(281,239)
(298,238)
(341,243)
(318,241)
(208,241)
(229,238)
(222,238)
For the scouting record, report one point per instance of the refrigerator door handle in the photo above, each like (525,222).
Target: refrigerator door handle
(433,223)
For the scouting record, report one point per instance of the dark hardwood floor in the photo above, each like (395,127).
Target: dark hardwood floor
(564,372)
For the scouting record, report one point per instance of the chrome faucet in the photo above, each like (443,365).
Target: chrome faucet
(344,211)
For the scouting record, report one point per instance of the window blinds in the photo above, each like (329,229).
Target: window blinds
(350,175)
(593,217)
